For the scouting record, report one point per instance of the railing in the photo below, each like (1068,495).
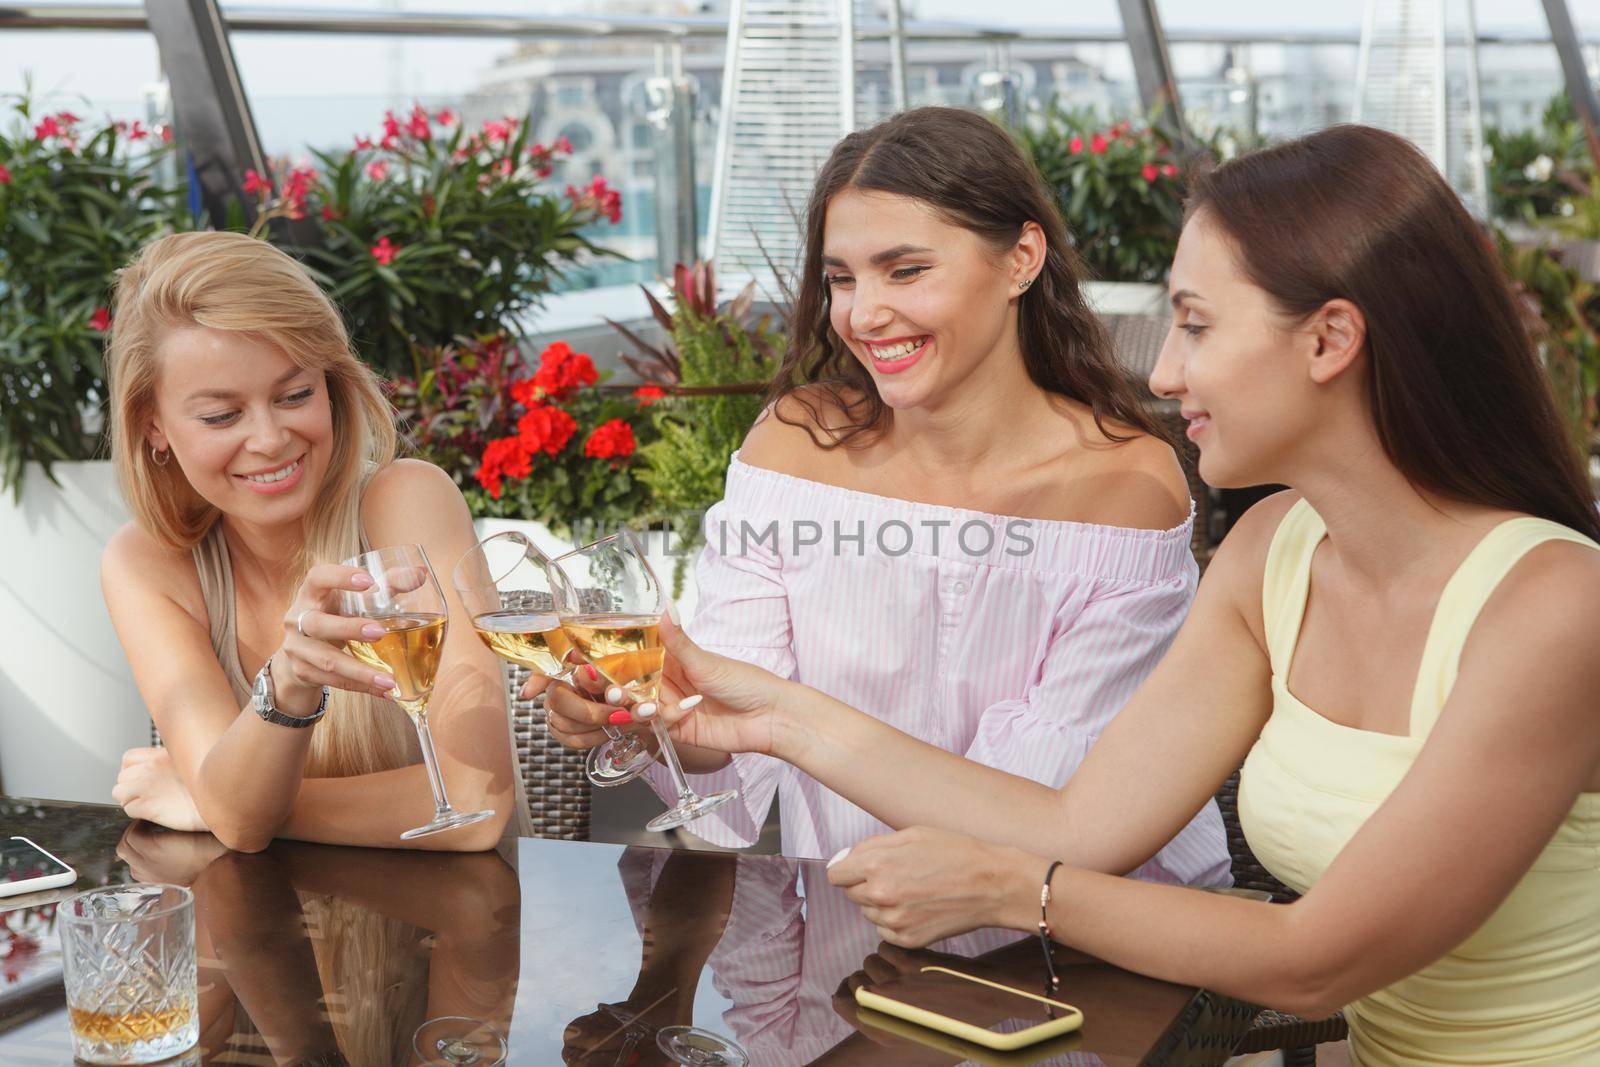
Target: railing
(664,141)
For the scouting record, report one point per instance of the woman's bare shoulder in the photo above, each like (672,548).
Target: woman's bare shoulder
(135,563)
(791,436)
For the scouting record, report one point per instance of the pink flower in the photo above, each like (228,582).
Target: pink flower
(446,118)
(256,185)
(1169,169)
(1075,145)
(599,198)
(378,169)
(497,131)
(100,320)
(563,145)
(418,126)
(166,133)
(363,143)
(385,251)
(67,118)
(391,128)
(1149,172)
(137,132)
(5,174)
(48,128)
(328,214)
(1098,145)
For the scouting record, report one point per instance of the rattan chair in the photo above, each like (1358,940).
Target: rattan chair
(1297,1037)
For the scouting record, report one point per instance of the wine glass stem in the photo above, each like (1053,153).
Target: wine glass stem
(679,779)
(441,803)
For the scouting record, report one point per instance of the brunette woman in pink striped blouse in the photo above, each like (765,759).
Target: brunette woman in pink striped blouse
(956,515)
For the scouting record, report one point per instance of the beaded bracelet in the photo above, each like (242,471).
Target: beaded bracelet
(1044,924)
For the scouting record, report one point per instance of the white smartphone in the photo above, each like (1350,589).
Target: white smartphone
(27,868)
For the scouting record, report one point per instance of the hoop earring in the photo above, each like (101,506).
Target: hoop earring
(160,458)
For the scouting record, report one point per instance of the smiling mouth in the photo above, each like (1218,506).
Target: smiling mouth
(898,351)
(274,476)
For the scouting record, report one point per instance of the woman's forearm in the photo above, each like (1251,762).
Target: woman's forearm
(1248,949)
(373,810)
(248,780)
(903,782)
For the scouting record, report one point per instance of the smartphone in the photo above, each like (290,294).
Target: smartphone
(966,1051)
(27,868)
(963,1006)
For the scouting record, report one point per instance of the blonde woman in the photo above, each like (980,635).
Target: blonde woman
(255,451)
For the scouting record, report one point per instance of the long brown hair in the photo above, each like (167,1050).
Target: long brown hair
(1462,406)
(974,175)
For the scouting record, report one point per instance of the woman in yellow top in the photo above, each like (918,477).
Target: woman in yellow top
(1399,650)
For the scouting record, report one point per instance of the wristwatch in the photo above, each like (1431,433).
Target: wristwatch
(266,703)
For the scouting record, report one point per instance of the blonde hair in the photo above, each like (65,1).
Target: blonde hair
(235,283)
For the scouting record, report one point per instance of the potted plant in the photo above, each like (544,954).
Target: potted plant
(77,197)
(428,232)
(1120,190)
(711,377)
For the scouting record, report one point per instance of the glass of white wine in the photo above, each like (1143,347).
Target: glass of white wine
(513,595)
(406,600)
(619,631)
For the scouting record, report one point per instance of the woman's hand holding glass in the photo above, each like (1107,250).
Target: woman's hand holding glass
(315,632)
(715,702)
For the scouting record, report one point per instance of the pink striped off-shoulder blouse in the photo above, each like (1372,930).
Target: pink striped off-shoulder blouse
(1011,641)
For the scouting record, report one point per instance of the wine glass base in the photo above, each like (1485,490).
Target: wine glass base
(447,822)
(601,770)
(700,1048)
(689,811)
(457,1041)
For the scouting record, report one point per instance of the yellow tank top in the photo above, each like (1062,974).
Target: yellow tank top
(1525,987)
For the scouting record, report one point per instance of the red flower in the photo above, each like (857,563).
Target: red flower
(166,134)
(525,392)
(378,169)
(67,118)
(609,440)
(599,198)
(363,142)
(328,214)
(256,185)
(648,394)
(418,126)
(133,131)
(563,145)
(497,131)
(1150,172)
(5,174)
(1075,145)
(100,320)
(446,118)
(561,370)
(384,251)
(504,457)
(48,128)
(546,429)
(1169,169)
(391,130)
(1098,145)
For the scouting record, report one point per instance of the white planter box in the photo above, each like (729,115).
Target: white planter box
(1126,298)
(662,554)
(68,705)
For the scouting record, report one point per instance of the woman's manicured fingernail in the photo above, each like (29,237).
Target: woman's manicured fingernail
(690,702)
(837,856)
(645,710)
(619,717)
(383,681)
(594,675)
(372,631)
(614,695)
(362,580)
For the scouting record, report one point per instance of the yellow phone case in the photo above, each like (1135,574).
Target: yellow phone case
(966,1051)
(1069,1020)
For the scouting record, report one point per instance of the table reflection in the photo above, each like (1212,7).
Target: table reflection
(334,955)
